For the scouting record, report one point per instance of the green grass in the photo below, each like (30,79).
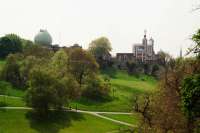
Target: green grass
(131,119)
(125,87)
(12,102)
(11,91)
(21,121)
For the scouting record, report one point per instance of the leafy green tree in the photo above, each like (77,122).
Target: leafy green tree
(82,64)
(27,44)
(191,98)
(38,51)
(97,88)
(131,67)
(190,91)
(41,93)
(11,70)
(47,91)
(100,48)
(10,43)
(60,63)
(26,65)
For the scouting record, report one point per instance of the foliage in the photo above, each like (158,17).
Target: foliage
(131,67)
(101,48)
(162,111)
(51,85)
(60,63)
(190,93)
(38,51)
(164,58)
(11,70)
(196,39)
(82,64)
(10,43)
(46,91)
(25,68)
(97,88)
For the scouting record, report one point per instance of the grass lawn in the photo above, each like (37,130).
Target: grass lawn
(125,87)
(12,102)
(11,91)
(21,121)
(131,119)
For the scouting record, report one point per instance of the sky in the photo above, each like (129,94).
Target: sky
(170,23)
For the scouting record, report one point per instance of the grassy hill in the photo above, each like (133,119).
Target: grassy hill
(125,87)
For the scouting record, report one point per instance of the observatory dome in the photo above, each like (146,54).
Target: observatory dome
(43,38)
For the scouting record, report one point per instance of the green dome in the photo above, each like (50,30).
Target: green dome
(43,38)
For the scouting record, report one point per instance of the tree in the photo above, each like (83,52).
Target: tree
(10,43)
(163,112)
(82,64)
(60,63)
(191,88)
(196,39)
(41,92)
(26,65)
(38,51)
(131,67)
(47,91)
(11,70)
(191,99)
(97,89)
(100,48)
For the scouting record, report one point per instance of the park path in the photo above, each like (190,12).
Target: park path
(94,113)
(97,114)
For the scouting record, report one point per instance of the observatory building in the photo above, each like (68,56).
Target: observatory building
(43,38)
(142,52)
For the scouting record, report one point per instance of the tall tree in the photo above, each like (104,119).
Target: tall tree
(10,43)
(82,64)
(100,48)
(11,70)
(48,90)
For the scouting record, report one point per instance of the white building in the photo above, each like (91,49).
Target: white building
(144,51)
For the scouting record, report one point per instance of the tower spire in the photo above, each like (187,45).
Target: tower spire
(181,53)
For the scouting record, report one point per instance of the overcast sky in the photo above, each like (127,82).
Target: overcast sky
(170,22)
